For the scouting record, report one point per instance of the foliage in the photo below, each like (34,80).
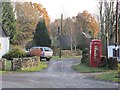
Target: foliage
(85,56)
(27,18)
(92,23)
(44,12)
(73,29)
(8,20)
(18,37)
(85,59)
(14,53)
(85,51)
(30,44)
(102,61)
(108,21)
(41,35)
(113,63)
(28,15)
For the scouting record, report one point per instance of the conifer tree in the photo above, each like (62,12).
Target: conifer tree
(8,20)
(41,35)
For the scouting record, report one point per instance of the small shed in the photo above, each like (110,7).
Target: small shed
(111,51)
(4,42)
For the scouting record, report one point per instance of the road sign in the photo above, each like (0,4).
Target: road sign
(119,7)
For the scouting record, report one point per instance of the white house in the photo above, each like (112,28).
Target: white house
(4,42)
(111,52)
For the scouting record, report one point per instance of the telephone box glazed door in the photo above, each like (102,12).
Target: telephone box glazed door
(95,53)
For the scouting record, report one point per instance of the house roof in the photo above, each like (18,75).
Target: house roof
(2,32)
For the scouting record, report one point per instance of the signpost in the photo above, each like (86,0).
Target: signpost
(60,35)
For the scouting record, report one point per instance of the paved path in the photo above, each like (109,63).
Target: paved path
(58,75)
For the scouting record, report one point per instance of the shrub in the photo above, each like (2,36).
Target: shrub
(85,56)
(85,51)
(14,53)
(85,59)
(103,61)
(113,63)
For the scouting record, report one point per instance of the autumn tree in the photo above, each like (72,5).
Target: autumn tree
(92,23)
(81,22)
(107,23)
(73,29)
(8,20)
(27,18)
(44,12)
(41,36)
(28,15)
(70,31)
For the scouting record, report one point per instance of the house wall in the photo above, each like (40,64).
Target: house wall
(4,45)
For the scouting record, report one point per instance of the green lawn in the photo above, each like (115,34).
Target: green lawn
(64,57)
(113,75)
(2,71)
(82,68)
(40,67)
(108,75)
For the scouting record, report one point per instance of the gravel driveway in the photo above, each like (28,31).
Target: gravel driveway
(58,75)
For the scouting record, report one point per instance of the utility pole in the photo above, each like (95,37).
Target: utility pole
(116,34)
(106,32)
(61,35)
(101,20)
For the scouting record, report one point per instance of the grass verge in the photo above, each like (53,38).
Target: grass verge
(113,75)
(40,67)
(108,75)
(2,71)
(82,68)
(64,57)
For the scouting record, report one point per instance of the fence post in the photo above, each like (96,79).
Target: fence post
(3,64)
(12,65)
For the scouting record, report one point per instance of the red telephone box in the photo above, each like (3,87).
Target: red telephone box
(95,52)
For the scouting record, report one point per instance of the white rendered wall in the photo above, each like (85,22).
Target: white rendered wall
(4,47)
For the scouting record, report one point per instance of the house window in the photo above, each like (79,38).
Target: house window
(114,52)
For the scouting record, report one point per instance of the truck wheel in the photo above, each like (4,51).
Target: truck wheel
(48,59)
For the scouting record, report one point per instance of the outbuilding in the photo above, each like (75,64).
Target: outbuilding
(4,42)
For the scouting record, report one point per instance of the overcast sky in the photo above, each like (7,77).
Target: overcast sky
(69,8)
